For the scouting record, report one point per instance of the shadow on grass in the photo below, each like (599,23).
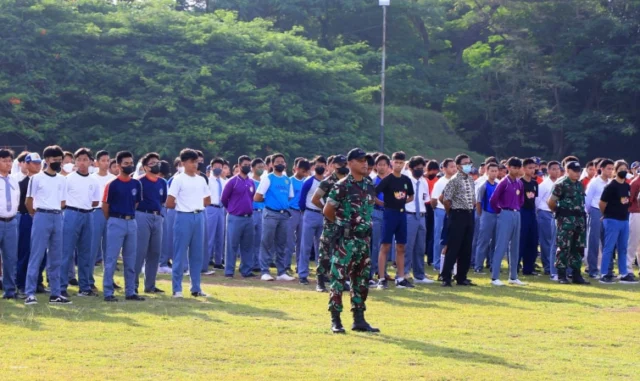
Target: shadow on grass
(432,350)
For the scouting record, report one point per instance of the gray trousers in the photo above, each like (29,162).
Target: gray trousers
(486,238)
(274,240)
(416,242)
(311,232)
(215,236)
(150,232)
(46,236)
(257,238)
(507,238)
(294,236)
(239,240)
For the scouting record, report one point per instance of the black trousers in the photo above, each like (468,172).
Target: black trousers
(430,222)
(460,244)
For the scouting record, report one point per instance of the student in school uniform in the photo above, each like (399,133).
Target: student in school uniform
(189,195)
(311,219)
(9,199)
(150,221)
(82,196)
(169,219)
(257,168)
(275,191)
(237,198)
(215,218)
(301,171)
(121,196)
(45,201)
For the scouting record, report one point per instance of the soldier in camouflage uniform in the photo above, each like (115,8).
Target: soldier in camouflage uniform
(567,200)
(350,207)
(329,238)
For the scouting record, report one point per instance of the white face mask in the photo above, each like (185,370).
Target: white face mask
(68,167)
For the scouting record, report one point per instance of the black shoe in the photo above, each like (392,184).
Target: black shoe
(382,284)
(170,264)
(562,277)
(219,267)
(41,289)
(64,293)
(465,282)
(87,293)
(440,279)
(303,281)
(116,287)
(255,270)
(250,275)
(110,299)
(228,275)
(607,280)
(135,298)
(154,290)
(59,300)
(404,284)
(30,300)
(336,323)
(628,279)
(1,285)
(9,297)
(73,282)
(446,283)
(199,294)
(212,263)
(360,324)
(94,288)
(320,285)
(578,279)
(547,272)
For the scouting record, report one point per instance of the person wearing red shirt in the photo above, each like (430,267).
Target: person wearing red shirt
(634,225)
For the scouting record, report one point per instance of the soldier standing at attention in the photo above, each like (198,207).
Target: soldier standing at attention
(350,207)
(567,200)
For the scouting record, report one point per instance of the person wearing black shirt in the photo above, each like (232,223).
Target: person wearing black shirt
(528,221)
(614,205)
(397,190)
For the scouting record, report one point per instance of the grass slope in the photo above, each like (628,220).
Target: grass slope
(254,330)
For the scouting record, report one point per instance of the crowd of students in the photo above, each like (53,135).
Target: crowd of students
(69,212)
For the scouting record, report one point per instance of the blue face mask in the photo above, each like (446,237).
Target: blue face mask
(467,168)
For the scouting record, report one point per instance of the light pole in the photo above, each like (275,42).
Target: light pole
(384,4)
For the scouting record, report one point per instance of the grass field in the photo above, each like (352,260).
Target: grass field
(255,330)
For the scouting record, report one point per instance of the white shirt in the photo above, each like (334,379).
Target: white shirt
(213,187)
(189,192)
(15,197)
(19,176)
(438,188)
(102,183)
(263,187)
(478,183)
(82,191)
(544,193)
(47,191)
(422,195)
(594,192)
(312,191)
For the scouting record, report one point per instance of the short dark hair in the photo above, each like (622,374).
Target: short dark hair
(528,161)
(491,159)
(433,165)
(569,159)
(552,163)
(277,155)
(52,151)
(400,155)
(83,151)
(542,162)
(620,163)
(22,157)
(165,169)
(123,155)
(243,158)
(416,161)
(319,159)
(492,164)
(112,162)
(370,160)
(67,154)
(176,162)
(149,156)
(5,153)
(590,164)
(256,161)
(304,164)
(296,160)
(605,162)
(217,160)
(482,165)
(330,159)
(461,157)
(199,153)
(188,154)
(514,162)
(446,162)
(383,157)
(101,153)
(267,160)
(375,155)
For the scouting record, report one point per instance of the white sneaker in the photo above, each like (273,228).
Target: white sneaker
(497,282)
(186,273)
(517,282)
(285,277)
(210,272)
(164,270)
(423,281)
(178,295)
(266,277)
(554,278)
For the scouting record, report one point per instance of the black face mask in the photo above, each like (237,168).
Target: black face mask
(544,171)
(622,174)
(245,169)
(202,167)
(279,168)
(128,170)
(417,173)
(155,169)
(431,177)
(56,166)
(217,171)
(320,170)
(343,171)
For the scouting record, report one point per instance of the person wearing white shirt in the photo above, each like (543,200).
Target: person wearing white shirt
(99,223)
(21,171)
(45,200)
(9,200)
(82,196)
(449,169)
(416,222)
(215,222)
(594,223)
(189,195)
(546,221)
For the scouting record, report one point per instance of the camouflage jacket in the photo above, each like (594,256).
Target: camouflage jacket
(354,202)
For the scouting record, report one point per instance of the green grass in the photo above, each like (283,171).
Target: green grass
(254,330)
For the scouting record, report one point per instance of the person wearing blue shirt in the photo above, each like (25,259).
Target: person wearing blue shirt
(150,221)
(295,222)
(311,219)
(257,168)
(488,218)
(121,197)
(275,191)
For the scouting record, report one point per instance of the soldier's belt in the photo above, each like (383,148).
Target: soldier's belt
(569,213)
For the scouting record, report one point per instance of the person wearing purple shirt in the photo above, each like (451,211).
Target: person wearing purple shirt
(237,198)
(507,200)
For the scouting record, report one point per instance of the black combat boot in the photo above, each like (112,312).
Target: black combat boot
(577,278)
(320,286)
(562,276)
(336,323)
(361,325)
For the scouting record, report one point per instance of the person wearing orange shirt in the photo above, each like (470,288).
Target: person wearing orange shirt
(431,175)
(591,172)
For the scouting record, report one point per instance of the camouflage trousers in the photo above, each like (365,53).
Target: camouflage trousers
(328,242)
(350,262)
(570,242)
